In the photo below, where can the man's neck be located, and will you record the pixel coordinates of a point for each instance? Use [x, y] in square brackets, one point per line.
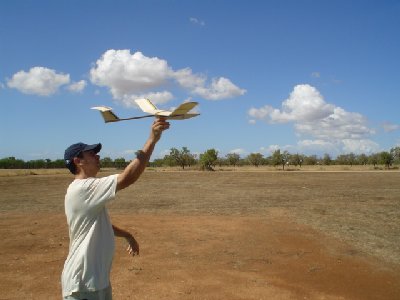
[83, 175]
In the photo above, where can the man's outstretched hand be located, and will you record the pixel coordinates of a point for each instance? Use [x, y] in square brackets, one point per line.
[159, 125]
[133, 246]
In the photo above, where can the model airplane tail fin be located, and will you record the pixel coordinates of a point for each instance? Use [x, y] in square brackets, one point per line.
[107, 114]
[147, 106]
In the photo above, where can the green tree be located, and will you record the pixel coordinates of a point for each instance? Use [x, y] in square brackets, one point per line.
[106, 162]
[208, 159]
[327, 160]
[373, 159]
[286, 156]
[192, 159]
[351, 158]
[158, 162]
[296, 160]
[362, 159]
[169, 161]
[395, 152]
[37, 164]
[342, 159]
[182, 157]
[120, 163]
[221, 162]
[12, 163]
[59, 163]
[255, 159]
[311, 160]
[279, 158]
[386, 159]
[276, 158]
[233, 159]
[267, 161]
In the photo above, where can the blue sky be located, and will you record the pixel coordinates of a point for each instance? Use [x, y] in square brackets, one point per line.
[311, 77]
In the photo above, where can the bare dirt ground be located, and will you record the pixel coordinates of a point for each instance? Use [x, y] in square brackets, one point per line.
[218, 235]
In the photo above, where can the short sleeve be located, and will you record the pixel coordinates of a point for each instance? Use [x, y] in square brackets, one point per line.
[101, 190]
[91, 194]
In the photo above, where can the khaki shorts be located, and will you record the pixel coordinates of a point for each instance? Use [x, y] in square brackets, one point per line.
[105, 294]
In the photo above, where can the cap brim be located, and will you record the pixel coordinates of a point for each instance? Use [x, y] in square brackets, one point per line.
[95, 147]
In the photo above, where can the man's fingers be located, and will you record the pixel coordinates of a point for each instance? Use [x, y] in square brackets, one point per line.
[132, 251]
[160, 124]
[133, 248]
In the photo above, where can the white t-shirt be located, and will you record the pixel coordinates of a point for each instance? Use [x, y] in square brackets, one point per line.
[91, 248]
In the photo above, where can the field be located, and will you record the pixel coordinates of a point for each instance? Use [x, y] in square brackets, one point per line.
[217, 235]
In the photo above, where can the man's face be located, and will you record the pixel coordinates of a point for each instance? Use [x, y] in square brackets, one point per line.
[90, 162]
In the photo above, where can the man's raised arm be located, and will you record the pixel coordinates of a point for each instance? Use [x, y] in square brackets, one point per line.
[136, 167]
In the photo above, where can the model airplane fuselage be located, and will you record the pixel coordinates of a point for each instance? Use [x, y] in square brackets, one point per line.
[180, 113]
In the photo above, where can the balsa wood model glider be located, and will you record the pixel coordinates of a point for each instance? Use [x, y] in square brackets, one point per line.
[180, 113]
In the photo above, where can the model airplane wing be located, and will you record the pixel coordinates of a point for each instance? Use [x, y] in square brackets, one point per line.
[180, 113]
[183, 108]
[147, 106]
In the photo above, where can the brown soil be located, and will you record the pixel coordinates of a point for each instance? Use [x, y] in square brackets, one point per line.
[220, 235]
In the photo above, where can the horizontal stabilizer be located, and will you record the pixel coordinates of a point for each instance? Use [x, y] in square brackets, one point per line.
[107, 113]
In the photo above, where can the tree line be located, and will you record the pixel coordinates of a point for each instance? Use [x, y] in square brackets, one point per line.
[209, 159]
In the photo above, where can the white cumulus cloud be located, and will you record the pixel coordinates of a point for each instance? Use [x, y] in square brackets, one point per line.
[338, 125]
[360, 146]
[128, 75]
[315, 75]
[389, 127]
[321, 146]
[38, 81]
[77, 87]
[156, 98]
[220, 88]
[197, 21]
[305, 104]
[270, 149]
[239, 151]
[188, 80]
[322, 125]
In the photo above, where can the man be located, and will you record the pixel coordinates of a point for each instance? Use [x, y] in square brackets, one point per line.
[86, 273]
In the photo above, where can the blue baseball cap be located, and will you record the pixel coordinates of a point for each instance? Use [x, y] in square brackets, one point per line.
[75, 150]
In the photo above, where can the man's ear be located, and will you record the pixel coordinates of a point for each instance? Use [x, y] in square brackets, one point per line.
[77, 161]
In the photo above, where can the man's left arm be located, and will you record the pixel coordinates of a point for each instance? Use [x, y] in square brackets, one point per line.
[133, 245]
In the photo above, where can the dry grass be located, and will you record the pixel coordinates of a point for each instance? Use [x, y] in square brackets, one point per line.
[27, 172]
[234, 234]
[359, 207]
[316, 168]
